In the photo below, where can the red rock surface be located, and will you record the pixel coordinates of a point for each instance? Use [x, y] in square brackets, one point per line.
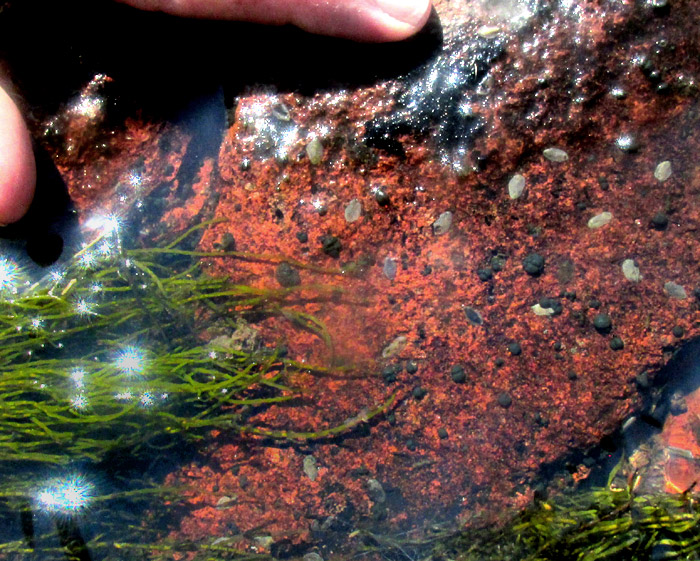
[553, 86]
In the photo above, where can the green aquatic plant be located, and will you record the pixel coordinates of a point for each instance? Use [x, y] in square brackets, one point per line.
[106, 357]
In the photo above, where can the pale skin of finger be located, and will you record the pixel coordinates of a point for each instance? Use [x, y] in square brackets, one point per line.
[17, 168]
[360, 20]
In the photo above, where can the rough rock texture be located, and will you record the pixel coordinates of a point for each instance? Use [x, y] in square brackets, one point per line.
[611, 84]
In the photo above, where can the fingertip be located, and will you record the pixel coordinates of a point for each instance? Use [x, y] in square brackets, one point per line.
[17, 167]
[398, 19]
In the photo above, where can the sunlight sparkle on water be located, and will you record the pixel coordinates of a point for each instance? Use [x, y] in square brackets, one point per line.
[69, 495]
[130, 360]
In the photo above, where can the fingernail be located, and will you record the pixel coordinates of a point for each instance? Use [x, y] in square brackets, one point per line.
[411, 12]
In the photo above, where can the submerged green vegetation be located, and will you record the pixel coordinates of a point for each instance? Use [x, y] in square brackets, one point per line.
[103, 358]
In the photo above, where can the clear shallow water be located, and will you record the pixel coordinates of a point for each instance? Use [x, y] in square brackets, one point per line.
[242, 151]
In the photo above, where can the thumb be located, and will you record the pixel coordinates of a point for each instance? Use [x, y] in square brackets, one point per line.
[361, 20]
[17, 169]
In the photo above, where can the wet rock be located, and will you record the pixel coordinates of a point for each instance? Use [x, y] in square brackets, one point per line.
[555, 155]
[515, 349]
[419, 392]
[627, 143]
[443, 223]
[600, 220]
[631, 271]
[675, 291]
[287, 275]
[616, 344]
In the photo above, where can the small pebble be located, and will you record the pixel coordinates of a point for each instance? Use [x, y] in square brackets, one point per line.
[631, 271]
[555, 154]
[663, 171]
[600, 220]
[310, 468]
[595, 304]
[459, 376]
[443, 223]
[674, 290]
[642, 380]
[412, 367]
[534, 264]
[616, 344]
[303, 237]
[515, 349]
[602, 323]
[395, 347]
[540, 311]
[504, 400]
[390, 268]
[659, 221]
[571, 375]
[353, 210]
[499, 362]
[312, 556]
[678, 331]
[375, 490]
[287, 275]
[314, 151]
[516, 186]
[473, 316]
[442, 433]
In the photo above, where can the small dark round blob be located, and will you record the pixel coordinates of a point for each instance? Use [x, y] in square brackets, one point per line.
[557, 346]
[499, 362]
[498, 262]
[245, 164]
[390, 372]
[678, 331]
[287, 275]
[571, 375]
[411, 444]
[616, 344]
[411, 367]
[659, 221]
[602, 323]
[504, 400]
[534, 264]
[419, 392]
[226, 243]
[331, 246]
[303, 237]
[570, 295]
[381, 197]
[553, 304]
[595, 304]
[459, 376]
[442, 433]
[514, 348]
[426, 270]
[696, 293]
[46, 249]
[485, 274]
